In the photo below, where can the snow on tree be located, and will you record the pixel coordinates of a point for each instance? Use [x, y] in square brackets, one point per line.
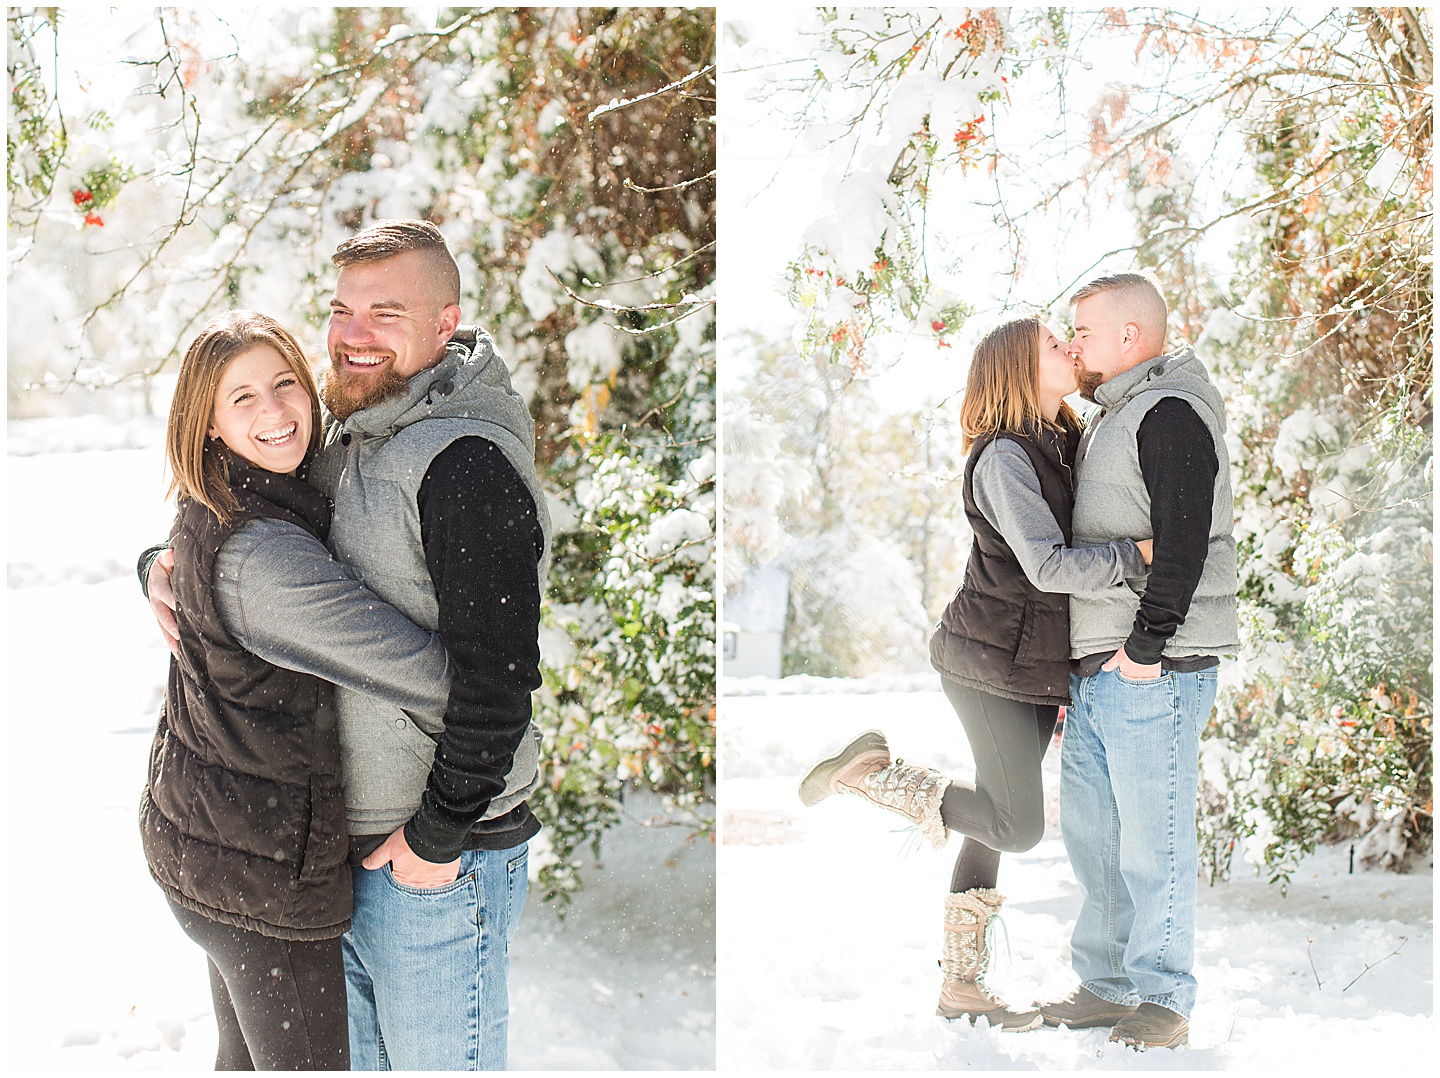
[895, 95]
[861, 509]
[167, 164]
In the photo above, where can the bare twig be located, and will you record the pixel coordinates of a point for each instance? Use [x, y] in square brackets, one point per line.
[659, 272]
[1308, 944]
[660, 325]
[700, 824]
[1371, 965]
[669, 187]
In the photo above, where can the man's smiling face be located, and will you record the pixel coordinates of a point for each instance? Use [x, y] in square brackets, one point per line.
[388, 322]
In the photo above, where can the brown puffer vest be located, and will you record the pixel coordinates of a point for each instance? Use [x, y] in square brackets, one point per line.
[1000, 633]
[243, 818]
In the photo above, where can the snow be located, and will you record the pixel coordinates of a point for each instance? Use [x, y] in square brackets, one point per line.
[831, 924]
[1222, 326]
[850, 235]
[594, 353]
[674, 528]
[1387, 168]
[1303, 436]
[563, 252]
[102, 977]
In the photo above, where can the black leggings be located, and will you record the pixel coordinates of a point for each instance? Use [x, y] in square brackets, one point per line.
[280, 1004]
[1005, 810]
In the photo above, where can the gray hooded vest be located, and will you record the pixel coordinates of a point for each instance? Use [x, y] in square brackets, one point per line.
[1111, 502]
[372, 465]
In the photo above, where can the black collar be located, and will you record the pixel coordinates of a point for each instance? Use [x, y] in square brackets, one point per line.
[284, 491]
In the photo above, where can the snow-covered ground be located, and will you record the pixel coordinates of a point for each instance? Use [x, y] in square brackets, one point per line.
[99, 975]
[831, 923]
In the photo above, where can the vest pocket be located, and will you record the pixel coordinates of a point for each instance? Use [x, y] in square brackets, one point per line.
[982, 635]
[1046, 638]
[421, 745]
[1027, 631]
[326, 838]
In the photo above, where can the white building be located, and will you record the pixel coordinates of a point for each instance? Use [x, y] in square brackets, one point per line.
[753, 632]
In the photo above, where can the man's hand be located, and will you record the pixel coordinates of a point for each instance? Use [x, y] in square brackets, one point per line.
[162, 599]
[1147, 550]
[408, 868]
[1128, 667]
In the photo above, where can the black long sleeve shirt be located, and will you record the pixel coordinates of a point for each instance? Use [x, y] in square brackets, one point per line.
[482, 541]
[1179, 464]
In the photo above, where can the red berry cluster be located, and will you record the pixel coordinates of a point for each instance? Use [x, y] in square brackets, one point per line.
[86, 198]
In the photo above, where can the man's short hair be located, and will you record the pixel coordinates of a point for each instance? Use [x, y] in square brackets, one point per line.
[1139, 295]
[386, 239]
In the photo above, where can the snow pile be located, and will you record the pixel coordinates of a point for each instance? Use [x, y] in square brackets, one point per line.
[832, 927]
[808, 685]
[106, 980]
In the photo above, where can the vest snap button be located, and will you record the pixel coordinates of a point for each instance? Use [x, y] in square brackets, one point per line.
[345, 438]
[399, 724]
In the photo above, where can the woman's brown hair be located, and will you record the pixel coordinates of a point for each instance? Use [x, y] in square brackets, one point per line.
[200, 465]
[1002, 390]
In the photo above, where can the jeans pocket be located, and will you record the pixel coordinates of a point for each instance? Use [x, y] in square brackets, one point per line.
[517, 880]
[465, 879]
[1166, 676]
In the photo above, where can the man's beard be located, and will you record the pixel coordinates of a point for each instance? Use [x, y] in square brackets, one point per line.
[346, 393]
[1088, 382]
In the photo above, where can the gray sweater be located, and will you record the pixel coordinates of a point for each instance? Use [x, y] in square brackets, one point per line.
[282, 595]
[1007, 493]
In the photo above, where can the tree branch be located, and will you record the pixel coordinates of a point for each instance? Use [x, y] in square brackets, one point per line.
[618, 104]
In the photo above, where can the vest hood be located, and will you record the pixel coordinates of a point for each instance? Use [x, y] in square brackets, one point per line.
[471, 381]
[1180, 371]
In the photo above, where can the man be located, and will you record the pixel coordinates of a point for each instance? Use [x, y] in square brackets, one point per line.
[429, 460]
[1143, 670]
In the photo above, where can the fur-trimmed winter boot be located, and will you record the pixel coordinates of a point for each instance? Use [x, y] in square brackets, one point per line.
[863, 768]
[970, 919]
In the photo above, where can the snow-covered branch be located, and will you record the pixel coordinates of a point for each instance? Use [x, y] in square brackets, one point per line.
[616, 104]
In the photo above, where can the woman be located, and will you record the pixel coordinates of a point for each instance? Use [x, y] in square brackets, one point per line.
[1002, 646]
[242, 818]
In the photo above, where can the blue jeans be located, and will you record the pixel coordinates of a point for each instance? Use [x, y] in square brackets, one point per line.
[1128, 775]
[426, 971]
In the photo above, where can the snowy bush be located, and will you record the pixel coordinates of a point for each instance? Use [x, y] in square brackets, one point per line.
[1327, 732]
[632, 699]
[1322, 343]
[855, 607]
